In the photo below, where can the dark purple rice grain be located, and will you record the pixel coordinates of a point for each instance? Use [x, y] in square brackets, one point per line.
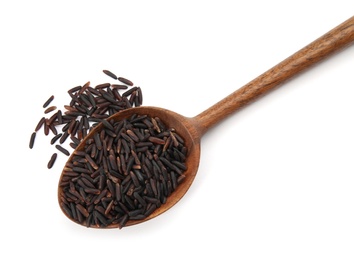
[66, 209]
[74, 89]
[107, 125]
[125, 81]
[62, 149]
[32, 139]
[52, 119]
[50, 109]
[88, 181]
[109, 207]
[59, 117]
[72, 126]
[118, 86]
[103, 85]
[64, 137]
[108, 97]
[85, 101]
[140, 96]
[97, 141]
[75, 140]
[50, 99]
[46, 127]
[128, 104]
[82, 210]
[91, 98]
[83, 89]
[110, 74]
[55, 138]
[91, 161]
[67, 125]
[52, 161]
[70, 108]
[73, 209]
[180, 165]
[133, 98]
[150, 210]
[40, 123]
[181, 178]
[92, 191]
[81, 170]
[74, 114]
[156, 140]
[53, 129]
[129, 92]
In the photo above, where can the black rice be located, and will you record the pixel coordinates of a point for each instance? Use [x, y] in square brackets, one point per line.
[103, 85]
[108, 73]
[62, 149]
[33, 137]
[55, 138]
[52, 161]
[87, 107]
[127, 182]
[40, 123]
[118, 86]
[50, 109]
[48, 101]
[125, 81]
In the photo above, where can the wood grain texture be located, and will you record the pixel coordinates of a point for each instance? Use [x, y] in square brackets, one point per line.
[331, 42]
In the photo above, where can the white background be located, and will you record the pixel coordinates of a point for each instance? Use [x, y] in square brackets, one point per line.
[276, 180]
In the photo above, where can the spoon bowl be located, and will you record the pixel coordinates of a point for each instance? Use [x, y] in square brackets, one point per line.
[191, 129]
[187, 128]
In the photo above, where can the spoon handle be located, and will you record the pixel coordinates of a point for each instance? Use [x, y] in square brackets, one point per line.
[334, 40]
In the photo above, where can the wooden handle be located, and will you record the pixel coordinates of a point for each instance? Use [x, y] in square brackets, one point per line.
[336, 39]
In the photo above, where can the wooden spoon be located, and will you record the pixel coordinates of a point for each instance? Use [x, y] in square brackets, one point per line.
[192, 129]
